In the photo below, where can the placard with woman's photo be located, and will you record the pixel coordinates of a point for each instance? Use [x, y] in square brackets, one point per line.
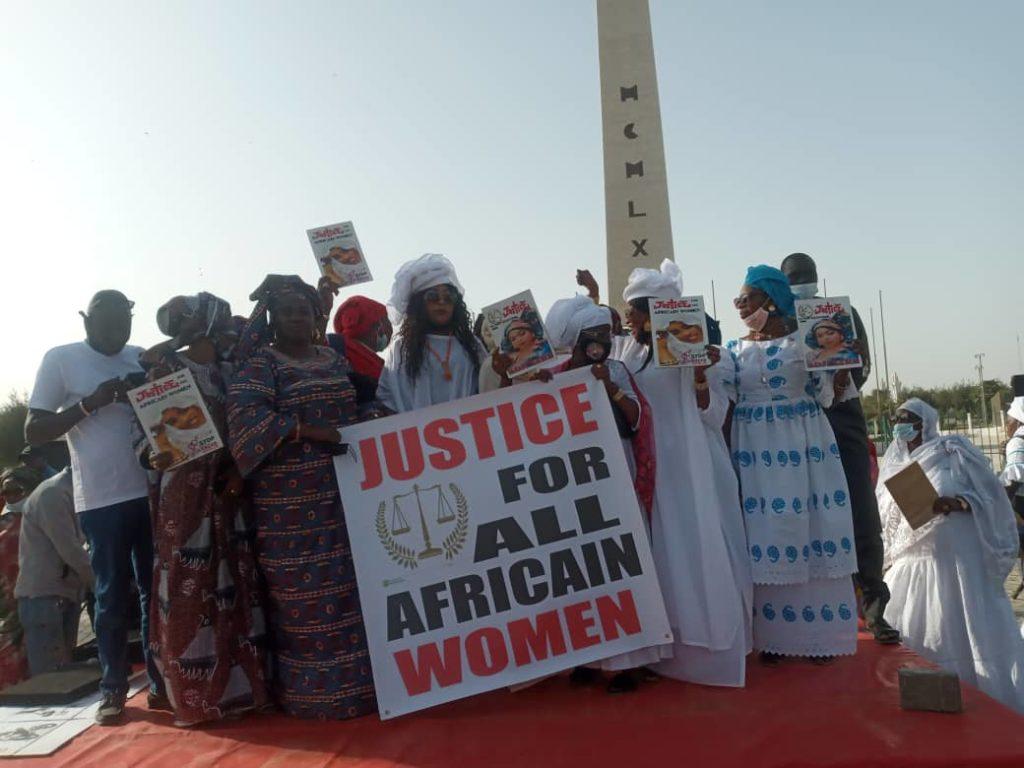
[827, 333]
[680, 331]
[518, 331]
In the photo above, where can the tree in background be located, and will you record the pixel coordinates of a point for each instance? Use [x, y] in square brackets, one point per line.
[953, 402]
[12, 428]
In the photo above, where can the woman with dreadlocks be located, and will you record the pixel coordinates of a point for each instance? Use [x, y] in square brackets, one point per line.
[285, 409]
[435, 357]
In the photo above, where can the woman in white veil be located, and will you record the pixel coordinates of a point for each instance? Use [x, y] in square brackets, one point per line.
[947, 577]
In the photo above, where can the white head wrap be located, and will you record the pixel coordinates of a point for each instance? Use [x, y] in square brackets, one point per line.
[1016, 409]
[970, 472]
[567, 317]
[666, 283]
[428, 271]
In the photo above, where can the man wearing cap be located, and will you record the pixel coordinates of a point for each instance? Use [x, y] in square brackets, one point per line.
[80, 392]
[846, 417]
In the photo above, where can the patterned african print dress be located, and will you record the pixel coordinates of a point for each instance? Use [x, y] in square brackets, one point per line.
[795, 503]
[322, 664]
[207, 631]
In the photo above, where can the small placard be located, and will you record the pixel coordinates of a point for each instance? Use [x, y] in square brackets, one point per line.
[914, 495]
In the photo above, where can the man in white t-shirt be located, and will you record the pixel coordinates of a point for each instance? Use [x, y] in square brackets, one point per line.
[80, 392]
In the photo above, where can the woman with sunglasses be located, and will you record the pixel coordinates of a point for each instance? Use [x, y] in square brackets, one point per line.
[435, 357]
[946, 577]
[794, 492]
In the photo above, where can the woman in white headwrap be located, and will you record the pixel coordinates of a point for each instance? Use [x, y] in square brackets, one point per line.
[946, 578]
[1013, 471]
[584, 329]
[695, 505]
[435, 357]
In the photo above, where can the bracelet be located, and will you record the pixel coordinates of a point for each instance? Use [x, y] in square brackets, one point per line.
[619, 394]
[964, 506]
[85, 411]
[701, 386]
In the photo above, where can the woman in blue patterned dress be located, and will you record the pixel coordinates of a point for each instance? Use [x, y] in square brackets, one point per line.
[795, 498]
[285, 409]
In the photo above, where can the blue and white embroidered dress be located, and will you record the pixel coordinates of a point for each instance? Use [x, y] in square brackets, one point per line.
[795, 503]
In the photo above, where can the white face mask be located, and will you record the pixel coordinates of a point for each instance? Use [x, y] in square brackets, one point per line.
[804, 290]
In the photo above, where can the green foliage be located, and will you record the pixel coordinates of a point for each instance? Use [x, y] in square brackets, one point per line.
[953, 402]
[12, 428]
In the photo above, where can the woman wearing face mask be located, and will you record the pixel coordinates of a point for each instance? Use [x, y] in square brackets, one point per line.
[285, 409]
[946, 578]
[585, 329]
[691, 519]
[794, 493]
[206, 623]
[435, 357]
[362, 330]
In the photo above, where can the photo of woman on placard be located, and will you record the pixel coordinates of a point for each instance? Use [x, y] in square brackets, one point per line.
[524, 341]
[833, 342]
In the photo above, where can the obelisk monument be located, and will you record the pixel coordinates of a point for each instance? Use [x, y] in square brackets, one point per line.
[639, 231]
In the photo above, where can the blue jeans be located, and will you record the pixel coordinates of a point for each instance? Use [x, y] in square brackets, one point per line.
[120, 540]
[51, 631]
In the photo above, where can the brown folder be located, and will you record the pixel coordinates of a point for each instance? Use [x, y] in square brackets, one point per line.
[914, 494]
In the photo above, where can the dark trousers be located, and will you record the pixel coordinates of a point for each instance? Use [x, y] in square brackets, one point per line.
[120, 542]
[847, 420]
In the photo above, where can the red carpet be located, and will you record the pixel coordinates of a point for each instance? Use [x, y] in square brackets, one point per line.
[796, 714]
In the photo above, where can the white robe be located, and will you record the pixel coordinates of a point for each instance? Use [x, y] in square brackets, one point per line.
[947, 577]
[689, 533]
[400, 393]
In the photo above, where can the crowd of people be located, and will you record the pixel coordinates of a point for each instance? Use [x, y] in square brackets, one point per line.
[767, 531]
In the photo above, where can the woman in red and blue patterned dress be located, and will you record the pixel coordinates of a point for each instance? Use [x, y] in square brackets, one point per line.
[286, 406]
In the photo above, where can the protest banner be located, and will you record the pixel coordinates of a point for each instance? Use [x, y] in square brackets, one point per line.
[338, 254]
[680, 328]
[827, 333]
[174, 417]
[518, 331]
[496, 539]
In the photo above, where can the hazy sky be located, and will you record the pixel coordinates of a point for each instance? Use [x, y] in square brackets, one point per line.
[167, 148]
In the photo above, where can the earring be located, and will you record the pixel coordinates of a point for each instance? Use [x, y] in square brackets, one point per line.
[771, 307]
[647, 326]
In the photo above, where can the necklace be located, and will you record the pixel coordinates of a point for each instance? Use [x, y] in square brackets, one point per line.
[445, 367]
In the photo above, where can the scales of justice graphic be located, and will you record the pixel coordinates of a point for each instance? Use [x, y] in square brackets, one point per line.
[439, 506]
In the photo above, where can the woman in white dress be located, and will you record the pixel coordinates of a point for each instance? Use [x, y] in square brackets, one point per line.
[435, 357]
[690, 512]
[946, 578]
[794, 494]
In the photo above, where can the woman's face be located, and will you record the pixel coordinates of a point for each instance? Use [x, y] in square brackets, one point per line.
[440, 304]
[828, 337]
[184, 418]
[521, 337]
[637, 320]
[381, 333]
[749, 300]
[293, 318]
[688, 334]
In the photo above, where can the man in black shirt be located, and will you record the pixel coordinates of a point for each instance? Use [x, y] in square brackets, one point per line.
[847, 419]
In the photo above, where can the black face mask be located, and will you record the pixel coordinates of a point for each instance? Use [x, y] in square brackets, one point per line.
[595, 351]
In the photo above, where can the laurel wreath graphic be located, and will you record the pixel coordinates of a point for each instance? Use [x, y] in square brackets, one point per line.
[402, 555]
[456, 540]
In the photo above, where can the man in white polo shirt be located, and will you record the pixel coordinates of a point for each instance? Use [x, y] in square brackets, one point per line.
[80, 392]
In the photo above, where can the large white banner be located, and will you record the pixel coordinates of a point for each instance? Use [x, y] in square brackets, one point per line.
[496, 539]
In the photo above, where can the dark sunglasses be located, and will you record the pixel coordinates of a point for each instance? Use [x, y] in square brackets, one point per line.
[439, 296]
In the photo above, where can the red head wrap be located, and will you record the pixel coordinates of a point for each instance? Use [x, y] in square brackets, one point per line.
[354, 319]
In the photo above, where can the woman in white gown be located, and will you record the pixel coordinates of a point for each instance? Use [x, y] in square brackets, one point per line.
[690, 515]
[794, 494]
[946, 578]
[435, 357]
